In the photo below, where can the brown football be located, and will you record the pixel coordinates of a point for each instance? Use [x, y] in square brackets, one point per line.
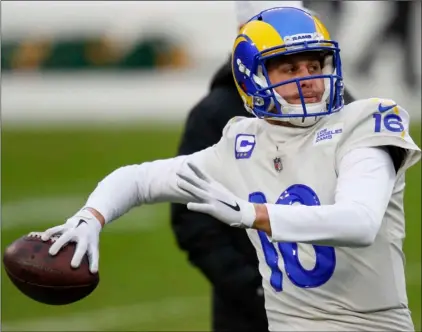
[45, 278]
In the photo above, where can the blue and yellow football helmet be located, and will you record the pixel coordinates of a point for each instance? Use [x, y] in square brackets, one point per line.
[283, 31]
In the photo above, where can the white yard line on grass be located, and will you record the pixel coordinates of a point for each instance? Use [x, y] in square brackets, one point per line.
[44, 210]
[116, 317]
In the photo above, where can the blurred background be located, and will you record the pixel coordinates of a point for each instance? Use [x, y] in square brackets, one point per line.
[90, 86]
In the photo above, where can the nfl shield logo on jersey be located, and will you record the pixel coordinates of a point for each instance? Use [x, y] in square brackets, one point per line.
[277, 164]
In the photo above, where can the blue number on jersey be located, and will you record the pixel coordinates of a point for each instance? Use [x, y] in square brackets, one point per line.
[392, 122]
[298, 275]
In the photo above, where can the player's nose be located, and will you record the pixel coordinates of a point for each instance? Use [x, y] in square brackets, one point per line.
[303, 72]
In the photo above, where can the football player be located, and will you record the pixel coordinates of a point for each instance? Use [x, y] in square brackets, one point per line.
[317, 185]
[224, 254]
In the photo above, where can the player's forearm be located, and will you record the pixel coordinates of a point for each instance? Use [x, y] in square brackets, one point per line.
[333, 225]
[317, 225]
[134, 185]
[366, 181]
[115, 195]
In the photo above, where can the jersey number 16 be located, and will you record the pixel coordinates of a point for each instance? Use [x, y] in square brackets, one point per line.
[325, 256]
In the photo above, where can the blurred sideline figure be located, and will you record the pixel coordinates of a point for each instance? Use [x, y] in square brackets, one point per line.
[223, 254]
[398, 28]
[393, 26]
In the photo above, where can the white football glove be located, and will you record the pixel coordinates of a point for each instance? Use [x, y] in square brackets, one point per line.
[84, 229]
[215, 200]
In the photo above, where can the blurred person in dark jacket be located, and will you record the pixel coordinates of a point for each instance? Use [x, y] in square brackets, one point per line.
[223, 254]
[399, 28]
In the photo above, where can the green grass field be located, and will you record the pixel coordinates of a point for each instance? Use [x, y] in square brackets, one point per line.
[146, 281]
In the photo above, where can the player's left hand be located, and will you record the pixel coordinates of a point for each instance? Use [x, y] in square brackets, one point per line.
[214, 199]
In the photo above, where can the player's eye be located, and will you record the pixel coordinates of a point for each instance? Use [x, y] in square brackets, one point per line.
[314, 68]
[287, 69]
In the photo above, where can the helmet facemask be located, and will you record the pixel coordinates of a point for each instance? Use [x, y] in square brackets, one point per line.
[269, 104]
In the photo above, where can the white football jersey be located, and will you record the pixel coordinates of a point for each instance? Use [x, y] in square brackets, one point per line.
[318, 287]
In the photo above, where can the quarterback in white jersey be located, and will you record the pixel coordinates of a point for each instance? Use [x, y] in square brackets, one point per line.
[317, 185]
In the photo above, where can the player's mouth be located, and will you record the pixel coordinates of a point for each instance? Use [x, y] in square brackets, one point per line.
[310, 97]
[311, 100]
[308, 100]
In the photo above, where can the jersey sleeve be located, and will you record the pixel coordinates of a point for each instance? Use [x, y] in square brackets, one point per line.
[212, 159]
[374, 123]
[157, 180]
[228, 128]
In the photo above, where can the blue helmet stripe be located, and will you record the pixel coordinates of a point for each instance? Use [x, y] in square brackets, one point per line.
[293, 22]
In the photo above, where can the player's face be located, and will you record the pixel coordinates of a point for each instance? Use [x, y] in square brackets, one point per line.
[296, 66]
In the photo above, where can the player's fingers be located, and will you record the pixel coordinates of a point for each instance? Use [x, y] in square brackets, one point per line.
[60, 242]
[93, 257]
[184, 184]
[46, 235]
[80, 251]
[192, 197]
[199, 207]
[194, 180]
[198, 172]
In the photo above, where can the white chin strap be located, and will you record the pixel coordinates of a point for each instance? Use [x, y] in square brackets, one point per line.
[311, 108]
